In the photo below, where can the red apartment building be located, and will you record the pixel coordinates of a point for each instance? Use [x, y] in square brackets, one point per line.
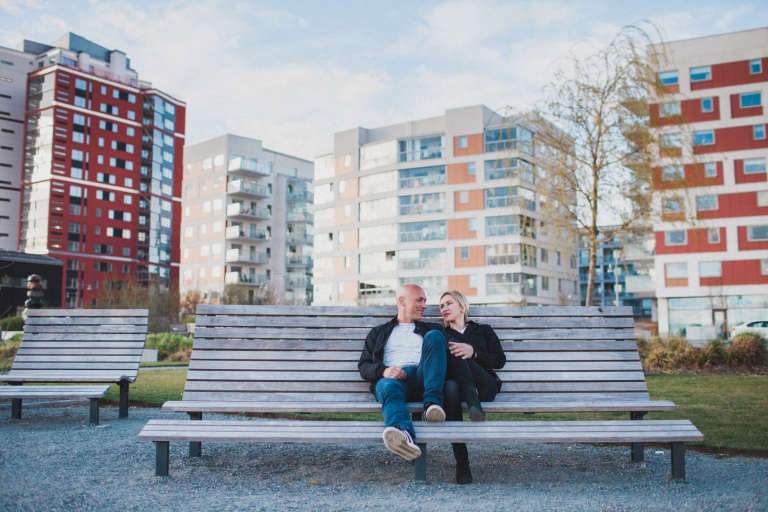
[711, 186]
[102, 170]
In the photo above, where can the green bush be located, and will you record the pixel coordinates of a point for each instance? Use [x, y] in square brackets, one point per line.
[12, 323]
[172, 347]
[713, 354]
[746, 349]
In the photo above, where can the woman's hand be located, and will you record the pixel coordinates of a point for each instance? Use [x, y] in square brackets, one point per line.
[393, 372]
[462, 350]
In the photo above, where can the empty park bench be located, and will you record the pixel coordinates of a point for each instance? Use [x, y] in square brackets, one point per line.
[77, 346]
[303, 359]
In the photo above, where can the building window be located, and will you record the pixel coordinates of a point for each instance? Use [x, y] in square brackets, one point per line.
[573, 261]
[755, 67]
[669, 109]
[544, 283]
[701, 74]
[677, 270]
[757, 233]
[463, 142]
[473, 224]
[764, 267]
[421, 149]
[673, 205]
[754, 165]
[421, 177]
[675, 237]
[762, 198]
[672, 173]
[750, 99]
[671, 141]
[710, 170]
[704, 138]
[347, 262]
[422, 231]
[347, 210]
[464, 253]
[758, 131]
[471, 169]
[710, 269]
[511, 137]
[668, 77]
[473, 280]
[464, 197]
[713, 236]
[706, 105]
[706, 203]
[544, 256]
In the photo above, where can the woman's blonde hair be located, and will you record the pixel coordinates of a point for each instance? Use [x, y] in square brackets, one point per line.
[461, 299]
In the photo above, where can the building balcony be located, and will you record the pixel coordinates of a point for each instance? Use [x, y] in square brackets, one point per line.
[248, 167]
[240, 188]
[238, 234]
[301, 195]
[296, 239]
[241, 211]
[239, 256]
[245, 279]
[298, 282]
[298, 261]
[300, 217]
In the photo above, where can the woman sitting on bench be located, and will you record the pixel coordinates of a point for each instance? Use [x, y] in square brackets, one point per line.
[470, 378]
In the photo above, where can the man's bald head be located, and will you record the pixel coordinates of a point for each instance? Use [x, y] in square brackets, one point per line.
[411, 303]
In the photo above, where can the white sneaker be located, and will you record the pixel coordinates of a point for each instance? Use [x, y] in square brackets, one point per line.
[400, 443]
[434, 414]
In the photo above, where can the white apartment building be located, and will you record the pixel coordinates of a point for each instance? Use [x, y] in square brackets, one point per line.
[246, 221]
[447, 202]
[711, 185]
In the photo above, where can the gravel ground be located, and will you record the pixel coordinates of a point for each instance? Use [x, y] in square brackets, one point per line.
[52, 460]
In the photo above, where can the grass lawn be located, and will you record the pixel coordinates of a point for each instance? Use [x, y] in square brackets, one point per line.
[730, 410]
[163, 363]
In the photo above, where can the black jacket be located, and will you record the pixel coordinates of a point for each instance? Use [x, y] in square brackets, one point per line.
[482, 337]
[371, 363]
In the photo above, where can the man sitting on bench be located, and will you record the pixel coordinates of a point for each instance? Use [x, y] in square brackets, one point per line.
[405, 361]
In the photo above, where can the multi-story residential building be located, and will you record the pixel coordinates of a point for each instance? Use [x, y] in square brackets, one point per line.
[710, 184]
[625, 269]
[14, 66]
[101, 181]
[246, 228]
[445, 202]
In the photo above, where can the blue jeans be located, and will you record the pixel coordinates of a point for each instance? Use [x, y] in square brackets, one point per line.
[422, 383]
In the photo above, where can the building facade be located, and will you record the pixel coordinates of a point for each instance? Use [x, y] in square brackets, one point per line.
[710, 186]
[447, 202]
[14, 66]
[246, 228]
[101, 180]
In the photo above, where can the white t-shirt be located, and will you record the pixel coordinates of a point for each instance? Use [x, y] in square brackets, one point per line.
[403, 347]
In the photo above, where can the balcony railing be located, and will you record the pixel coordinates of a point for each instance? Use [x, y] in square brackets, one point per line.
[241, 210]
[238, 256]
[253, 235]
[301, 195]
[239, 187]
[299, 217]
[298, 261]
[246, 279]
[295, 239]
[248, 167]
[298, 282]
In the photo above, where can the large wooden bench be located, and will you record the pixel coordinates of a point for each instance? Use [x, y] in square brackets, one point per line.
[77, 346]
[282, 359]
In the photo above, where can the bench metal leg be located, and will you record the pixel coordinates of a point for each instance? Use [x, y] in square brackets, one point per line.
[16, 408]
[420, 464]
[163, 450]
[678, 461]
[637, 449]
[195, 447]
[94, 411]
[123, 399]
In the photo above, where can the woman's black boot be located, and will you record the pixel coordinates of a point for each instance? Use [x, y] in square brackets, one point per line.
[476, 412]
[463, 473]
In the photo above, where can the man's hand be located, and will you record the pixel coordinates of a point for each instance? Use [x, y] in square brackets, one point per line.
[462, 350]
[393, 372]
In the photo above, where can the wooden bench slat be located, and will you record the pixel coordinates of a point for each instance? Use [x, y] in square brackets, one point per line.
[25, 392]
[84, 344]
[370, 322]
[27, 351]
[83, 359]
[85, 329]
[89, 321]
[285, 396]
[542, 387]
[86, 312]
[69, 375]
[391, 311]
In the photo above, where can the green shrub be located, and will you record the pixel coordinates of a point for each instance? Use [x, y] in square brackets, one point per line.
[8, 353]
[168, 344]
[670, 353]
[12, 323]
[713, 354]
[746, 349]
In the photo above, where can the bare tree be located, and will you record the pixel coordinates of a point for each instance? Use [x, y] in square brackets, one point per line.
[595, 142]
[161, 300]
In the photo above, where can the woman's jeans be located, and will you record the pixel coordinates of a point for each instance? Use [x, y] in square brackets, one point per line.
[423, 383]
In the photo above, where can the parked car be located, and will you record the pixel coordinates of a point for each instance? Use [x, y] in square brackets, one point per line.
[760, 326]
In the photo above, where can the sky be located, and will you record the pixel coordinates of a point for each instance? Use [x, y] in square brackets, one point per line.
[292, 73]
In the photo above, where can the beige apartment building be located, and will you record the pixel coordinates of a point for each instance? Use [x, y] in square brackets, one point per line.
[448, 202]
[246, 222]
